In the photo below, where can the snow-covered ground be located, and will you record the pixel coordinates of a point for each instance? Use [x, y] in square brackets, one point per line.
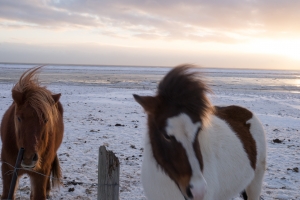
[96, 99]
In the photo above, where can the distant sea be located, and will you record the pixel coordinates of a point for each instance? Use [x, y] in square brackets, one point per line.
[149, 77]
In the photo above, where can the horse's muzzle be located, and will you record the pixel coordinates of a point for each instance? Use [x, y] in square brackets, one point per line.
[196, 193]
[192, 193]
[30, 162]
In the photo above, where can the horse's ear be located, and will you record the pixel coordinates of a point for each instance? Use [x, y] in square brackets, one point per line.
[56, 97]
[149, 103]
[17, 97]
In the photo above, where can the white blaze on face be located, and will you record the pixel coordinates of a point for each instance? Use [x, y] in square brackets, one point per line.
[185, 132]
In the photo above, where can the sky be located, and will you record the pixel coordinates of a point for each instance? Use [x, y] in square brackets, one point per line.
[259, 34]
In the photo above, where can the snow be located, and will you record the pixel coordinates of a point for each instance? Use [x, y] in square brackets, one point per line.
[95, 99]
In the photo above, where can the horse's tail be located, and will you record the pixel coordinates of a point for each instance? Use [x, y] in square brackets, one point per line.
[56, 173]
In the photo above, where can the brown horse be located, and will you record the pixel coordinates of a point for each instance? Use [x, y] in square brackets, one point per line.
[34, 122]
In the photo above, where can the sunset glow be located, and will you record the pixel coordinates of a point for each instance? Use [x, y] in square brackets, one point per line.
[238, 34]
[298, 82]
[283, 47]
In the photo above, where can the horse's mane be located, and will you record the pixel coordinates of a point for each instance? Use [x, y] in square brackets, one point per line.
[39, 98]
[183, 88]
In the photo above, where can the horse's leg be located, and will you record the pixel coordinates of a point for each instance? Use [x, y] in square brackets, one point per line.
[48, 188]
[31, 192]
[254, 188]
[39, 184]
[7, 174]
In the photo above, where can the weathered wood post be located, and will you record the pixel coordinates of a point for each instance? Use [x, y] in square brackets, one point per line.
[108, 175]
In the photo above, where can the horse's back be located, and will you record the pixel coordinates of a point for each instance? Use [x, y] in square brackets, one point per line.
[248, 128]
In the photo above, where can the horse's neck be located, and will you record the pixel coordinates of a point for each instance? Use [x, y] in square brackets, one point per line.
[157, 185]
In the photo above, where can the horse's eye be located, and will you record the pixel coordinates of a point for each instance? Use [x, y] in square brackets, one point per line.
[46, 120]
[19, 119]
[166, 136]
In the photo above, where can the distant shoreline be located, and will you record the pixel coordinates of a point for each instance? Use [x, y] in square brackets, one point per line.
[136, 66]
[82, 65]
[149, 77]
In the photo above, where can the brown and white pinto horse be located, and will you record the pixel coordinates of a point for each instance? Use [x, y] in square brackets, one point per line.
[34, 121]
[196, 151]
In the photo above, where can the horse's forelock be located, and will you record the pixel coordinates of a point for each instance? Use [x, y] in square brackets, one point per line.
[27, 80]
[42, 102]
[39, 98]
[182, 89]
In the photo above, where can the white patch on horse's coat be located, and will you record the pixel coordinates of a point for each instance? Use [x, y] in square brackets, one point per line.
[182, 127]
[185, 131]
[227, 169]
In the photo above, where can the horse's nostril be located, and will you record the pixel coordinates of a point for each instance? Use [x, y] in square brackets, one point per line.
[189, 192]
[35, 157]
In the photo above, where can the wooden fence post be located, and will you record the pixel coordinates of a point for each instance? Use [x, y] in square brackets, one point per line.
[108, 175]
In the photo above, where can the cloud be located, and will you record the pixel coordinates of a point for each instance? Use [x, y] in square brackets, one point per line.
[41, 14]
[203, 21]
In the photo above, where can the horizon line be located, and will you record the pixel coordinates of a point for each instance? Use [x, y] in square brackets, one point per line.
[162, 66]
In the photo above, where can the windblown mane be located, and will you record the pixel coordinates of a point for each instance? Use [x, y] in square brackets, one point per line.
[183, 88]
[39, 98]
